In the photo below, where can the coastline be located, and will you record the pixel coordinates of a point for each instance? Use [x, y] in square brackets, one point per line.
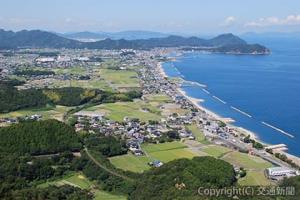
[197, 103]
[226, 120]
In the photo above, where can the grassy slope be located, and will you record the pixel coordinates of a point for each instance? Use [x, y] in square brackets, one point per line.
[150, 148]
[164, 152]
[198, 134]
[47, 112]
[255, 167]
[246, 161]
[130, 162]
[254, 178]
[101, 195]
[216, 150]
[78, 180]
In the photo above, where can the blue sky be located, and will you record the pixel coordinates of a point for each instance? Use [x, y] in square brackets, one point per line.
[185, 16]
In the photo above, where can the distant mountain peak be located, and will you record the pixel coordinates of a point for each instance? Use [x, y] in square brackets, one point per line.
[227, 39]
[42, 39]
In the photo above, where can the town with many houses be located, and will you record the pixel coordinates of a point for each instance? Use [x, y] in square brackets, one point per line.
[152, 80]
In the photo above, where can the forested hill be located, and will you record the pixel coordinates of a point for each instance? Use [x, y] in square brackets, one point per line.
[38, 137]
[226, 43]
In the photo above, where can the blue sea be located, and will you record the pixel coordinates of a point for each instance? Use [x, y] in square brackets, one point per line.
[267, 88]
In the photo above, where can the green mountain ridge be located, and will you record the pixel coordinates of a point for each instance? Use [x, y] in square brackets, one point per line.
[225, 43]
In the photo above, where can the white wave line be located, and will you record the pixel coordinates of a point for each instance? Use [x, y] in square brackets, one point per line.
[217, 98]
[277, 129]
[195, 83]
[206, 91]
[178, 72]
[240, 111]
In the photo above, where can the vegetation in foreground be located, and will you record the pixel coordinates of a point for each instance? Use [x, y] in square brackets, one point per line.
[38, 137]
[12, 99]
[163, 152]
[22, 171]
[181, 178]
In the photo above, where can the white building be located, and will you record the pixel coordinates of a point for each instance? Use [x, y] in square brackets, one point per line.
[45, 59]
[280, 172]
[83, 59]
[63, 59]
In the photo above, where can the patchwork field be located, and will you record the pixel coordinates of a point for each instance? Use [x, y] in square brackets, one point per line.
[159, 98]
[164, 152]
[150, 148]
[247, 161]
[48, 112]
[216, 150]
[169, 155]
[72, 70]
[170, 108]
[92, 84]
[137, 109]
[105, 77]
[78, 180]
[120, 78]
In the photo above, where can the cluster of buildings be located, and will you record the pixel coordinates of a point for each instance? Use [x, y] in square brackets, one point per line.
[11, 120]
[154, 81]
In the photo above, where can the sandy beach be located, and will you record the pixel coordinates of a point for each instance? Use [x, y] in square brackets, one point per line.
[197, 103]
[161, 70]
[228, 121]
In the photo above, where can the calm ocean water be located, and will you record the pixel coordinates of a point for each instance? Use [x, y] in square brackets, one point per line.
[267, 88]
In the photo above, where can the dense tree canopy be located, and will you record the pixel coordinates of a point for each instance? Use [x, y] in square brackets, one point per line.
[70, 96]
[11, 82]
[19, 172]
[180, 179]
[30, 72]
[39, 137]
[107, 146]
[13, 99]
[65, 192]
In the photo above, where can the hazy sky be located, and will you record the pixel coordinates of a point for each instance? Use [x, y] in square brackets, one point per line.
[186, 16]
